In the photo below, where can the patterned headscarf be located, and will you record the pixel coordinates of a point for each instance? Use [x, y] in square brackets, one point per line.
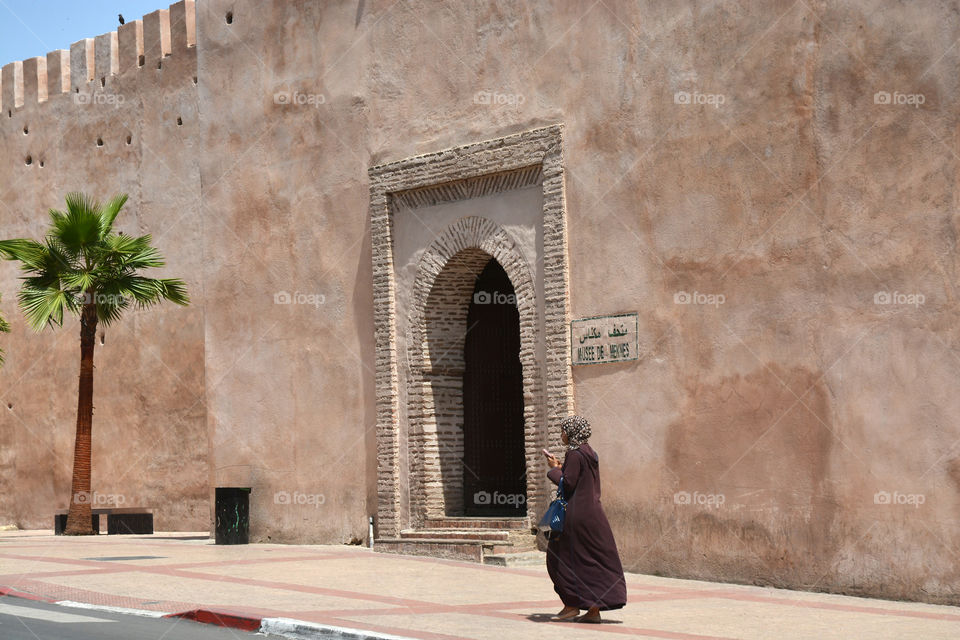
[577, 429]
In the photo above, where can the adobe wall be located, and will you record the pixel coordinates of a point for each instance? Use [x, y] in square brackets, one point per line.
[797, 198]
[101, 120]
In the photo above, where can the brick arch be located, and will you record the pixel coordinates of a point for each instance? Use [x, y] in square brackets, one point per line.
[442, 292]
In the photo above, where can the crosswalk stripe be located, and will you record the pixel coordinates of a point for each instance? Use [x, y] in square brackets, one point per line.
[48, 616]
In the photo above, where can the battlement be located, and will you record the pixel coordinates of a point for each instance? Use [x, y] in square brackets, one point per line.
[92, 61]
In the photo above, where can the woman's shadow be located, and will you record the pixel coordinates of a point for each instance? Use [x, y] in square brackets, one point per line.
[548, 617]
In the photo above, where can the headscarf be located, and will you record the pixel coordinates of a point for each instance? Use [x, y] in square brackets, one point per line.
[577, 429]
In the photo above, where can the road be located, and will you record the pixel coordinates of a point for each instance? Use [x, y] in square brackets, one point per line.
[28, 620]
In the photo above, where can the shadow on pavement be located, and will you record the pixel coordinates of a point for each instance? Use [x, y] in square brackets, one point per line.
[548, 617]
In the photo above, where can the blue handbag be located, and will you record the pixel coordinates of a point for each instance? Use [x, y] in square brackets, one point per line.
[556, 512]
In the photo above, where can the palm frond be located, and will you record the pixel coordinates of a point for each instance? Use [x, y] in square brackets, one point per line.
[146, 257]
[62, 255]
[30, 253]
[110, 307]
[79, 227]
[128, 253]
[175, 290]
[45, 306]
[80, 280]
[109, 213]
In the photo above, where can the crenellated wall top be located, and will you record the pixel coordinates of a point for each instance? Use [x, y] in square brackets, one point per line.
[91, 62]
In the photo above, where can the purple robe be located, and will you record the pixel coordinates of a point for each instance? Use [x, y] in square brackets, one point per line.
[583, 561]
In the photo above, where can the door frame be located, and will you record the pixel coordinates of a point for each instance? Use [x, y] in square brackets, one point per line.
[518, 161]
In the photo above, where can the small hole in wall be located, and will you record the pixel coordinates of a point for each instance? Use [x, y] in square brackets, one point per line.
[103, 82]
[179, 122]
[160, 65]
[41, 164]
[9, 114]
[229, 17]
[141, 60]
[194, 79]
[101, 338]
[9, 405]
[99, 142]
[76, 89]
[129, 139]
[28, 160]
[26, 129]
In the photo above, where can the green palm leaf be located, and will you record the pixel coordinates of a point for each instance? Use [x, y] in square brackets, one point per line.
[31, 254]
[109, 213]
[45, 305]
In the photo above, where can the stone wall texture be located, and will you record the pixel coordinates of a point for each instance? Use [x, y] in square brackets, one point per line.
[772, 186]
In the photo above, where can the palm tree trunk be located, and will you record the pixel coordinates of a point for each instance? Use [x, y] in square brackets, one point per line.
[79, 516]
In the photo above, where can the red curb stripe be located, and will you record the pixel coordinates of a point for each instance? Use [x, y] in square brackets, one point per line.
[13, 593]
[206, 616]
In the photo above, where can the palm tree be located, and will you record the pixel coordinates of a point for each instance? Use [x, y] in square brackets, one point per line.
[84, 268]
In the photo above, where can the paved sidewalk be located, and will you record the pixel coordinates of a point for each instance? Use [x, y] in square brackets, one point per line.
[426, 598]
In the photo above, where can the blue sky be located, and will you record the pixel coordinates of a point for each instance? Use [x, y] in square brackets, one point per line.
[31, 28]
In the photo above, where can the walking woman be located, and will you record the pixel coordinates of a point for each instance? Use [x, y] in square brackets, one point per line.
[583, 561]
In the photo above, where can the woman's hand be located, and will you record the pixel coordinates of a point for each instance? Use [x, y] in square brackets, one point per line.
[553, 462]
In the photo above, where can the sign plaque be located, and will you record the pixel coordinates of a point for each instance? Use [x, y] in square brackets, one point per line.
[604, 339]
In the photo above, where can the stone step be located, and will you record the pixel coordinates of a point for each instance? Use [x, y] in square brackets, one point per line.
[476, 523]
[457, 534]
[468, 550]
[519, 559]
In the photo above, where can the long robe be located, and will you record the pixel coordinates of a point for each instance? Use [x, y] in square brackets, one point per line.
[583, 561]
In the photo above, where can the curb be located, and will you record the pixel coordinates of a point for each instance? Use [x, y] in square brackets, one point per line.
[299, 630]
[285, 627]
[208, 616]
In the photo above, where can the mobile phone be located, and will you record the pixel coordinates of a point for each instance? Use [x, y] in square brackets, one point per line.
[547, 453]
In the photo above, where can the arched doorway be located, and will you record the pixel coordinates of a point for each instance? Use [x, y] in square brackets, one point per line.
[494, 465]
[417, 435]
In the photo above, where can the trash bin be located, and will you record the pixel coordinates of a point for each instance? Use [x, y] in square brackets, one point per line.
[233, 515]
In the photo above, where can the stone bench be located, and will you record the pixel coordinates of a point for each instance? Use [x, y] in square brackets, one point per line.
[120, 520]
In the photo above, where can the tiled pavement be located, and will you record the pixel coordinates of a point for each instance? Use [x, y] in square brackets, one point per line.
[426, 598]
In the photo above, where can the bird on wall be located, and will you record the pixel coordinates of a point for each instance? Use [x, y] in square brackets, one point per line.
[120, 15]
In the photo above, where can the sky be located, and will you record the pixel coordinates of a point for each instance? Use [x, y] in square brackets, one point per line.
[30, 28]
